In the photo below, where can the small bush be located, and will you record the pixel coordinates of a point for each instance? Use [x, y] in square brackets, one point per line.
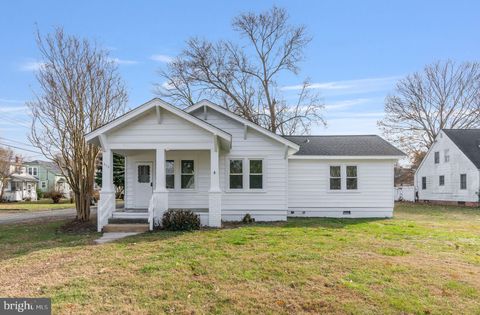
[39, 193]
[180, 220]
[248, 219]
[55, 196]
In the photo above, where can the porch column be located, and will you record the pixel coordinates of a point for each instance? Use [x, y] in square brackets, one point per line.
[215, 193]
[106, 204]
[159, 202]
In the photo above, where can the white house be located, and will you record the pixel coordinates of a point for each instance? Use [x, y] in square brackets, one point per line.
[20, 185]
[222, 166]
[449, 173]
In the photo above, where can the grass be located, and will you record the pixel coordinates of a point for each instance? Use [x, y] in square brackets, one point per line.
[40, 205]
[424, 261]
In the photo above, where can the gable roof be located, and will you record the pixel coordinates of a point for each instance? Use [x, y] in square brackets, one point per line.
[243, 121]
[52, 167]
[355, 145]
[156, 102]
[468, 141]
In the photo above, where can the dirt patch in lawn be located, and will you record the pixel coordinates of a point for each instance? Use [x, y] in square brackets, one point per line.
[77, 227]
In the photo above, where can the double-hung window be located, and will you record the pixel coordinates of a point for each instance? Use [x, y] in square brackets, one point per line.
[236, 174]
[352, 180]
[424, 183]
[437, 157]
[170, 174]
[256, 174]
[446, 155]
[463, 181]
[441, 180]
[187, 179]
[335, 178]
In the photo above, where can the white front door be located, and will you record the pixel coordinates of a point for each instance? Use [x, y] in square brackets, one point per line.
[143, 184]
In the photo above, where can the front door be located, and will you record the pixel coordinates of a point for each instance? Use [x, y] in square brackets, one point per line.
[143, 184]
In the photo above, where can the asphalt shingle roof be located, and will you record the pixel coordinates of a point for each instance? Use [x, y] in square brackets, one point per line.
[357, 145]
[467, 140]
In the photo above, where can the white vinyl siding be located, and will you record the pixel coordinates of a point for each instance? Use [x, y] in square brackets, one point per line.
[457, 164]
[309, 191]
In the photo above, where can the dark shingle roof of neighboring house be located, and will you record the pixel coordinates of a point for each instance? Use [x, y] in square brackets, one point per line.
[52, 167]
[361, 145]
[468, 141]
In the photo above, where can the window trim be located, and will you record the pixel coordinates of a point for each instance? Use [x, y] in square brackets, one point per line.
[436, 154]
[255, 174]
[236, 174]
[195, 184]
[461, 182]
[424, 183]
[246, 174]
[446, 155]
[174, 176]
[441, 180]
[343, 178]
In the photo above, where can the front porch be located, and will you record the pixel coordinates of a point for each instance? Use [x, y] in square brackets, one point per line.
[160, 179]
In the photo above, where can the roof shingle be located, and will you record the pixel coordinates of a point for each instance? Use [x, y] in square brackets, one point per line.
[355, 145]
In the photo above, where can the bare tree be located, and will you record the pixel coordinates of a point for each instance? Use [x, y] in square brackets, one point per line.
[6, 160]
[444, 95]
[80, 90]
[243, 77]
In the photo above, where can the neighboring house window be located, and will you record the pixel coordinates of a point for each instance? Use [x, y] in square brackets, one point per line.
[30, 171]
[170, 174]
[44, 184]
[188, 174]
[256, 174]
[463, 181]
[447, 155]
[35, 171]
[144, 173]
[441, 180]
[29, 188]
[437, 157]
[236, 174]
[352, 180]
[424, 183]
[335, 178]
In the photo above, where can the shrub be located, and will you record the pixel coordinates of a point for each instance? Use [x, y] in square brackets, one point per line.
[248, 218]
[180, 220]
[39, 193]
[55, 196]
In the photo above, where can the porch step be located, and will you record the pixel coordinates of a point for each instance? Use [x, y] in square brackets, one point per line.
[130, 215]
[116, 220]
[126, 227]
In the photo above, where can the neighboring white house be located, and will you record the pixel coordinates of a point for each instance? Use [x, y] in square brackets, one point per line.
[222, 166]
[449, 173]
[20, 186]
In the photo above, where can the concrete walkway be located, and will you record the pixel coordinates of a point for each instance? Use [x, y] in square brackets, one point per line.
[113, 236]
[18, 217]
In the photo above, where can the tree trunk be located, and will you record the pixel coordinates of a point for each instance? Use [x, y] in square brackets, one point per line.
[82, 204]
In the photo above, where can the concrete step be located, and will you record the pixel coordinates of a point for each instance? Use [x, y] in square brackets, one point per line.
[126, 227]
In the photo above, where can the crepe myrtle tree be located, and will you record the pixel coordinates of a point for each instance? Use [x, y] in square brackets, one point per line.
[445, 94]
[80, 90]
[242, 75]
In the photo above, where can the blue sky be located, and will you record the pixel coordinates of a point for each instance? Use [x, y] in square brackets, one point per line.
[359, 48]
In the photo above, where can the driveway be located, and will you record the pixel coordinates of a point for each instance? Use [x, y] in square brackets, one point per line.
[18, 217]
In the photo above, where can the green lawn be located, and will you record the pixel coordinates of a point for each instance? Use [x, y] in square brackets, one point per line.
[424, 261]
[40, 205]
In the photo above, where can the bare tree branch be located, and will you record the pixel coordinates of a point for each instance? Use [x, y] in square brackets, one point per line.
[80, 90]
[444, 95]
[243, 77]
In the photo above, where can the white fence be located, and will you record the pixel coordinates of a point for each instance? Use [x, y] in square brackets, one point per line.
[405, 193]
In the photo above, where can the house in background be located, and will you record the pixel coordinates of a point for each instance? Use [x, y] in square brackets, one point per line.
[49, 176]
[450, 171]
[222, 166]
[20, 186]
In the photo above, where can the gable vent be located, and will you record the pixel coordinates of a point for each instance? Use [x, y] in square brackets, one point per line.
[307, 140]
